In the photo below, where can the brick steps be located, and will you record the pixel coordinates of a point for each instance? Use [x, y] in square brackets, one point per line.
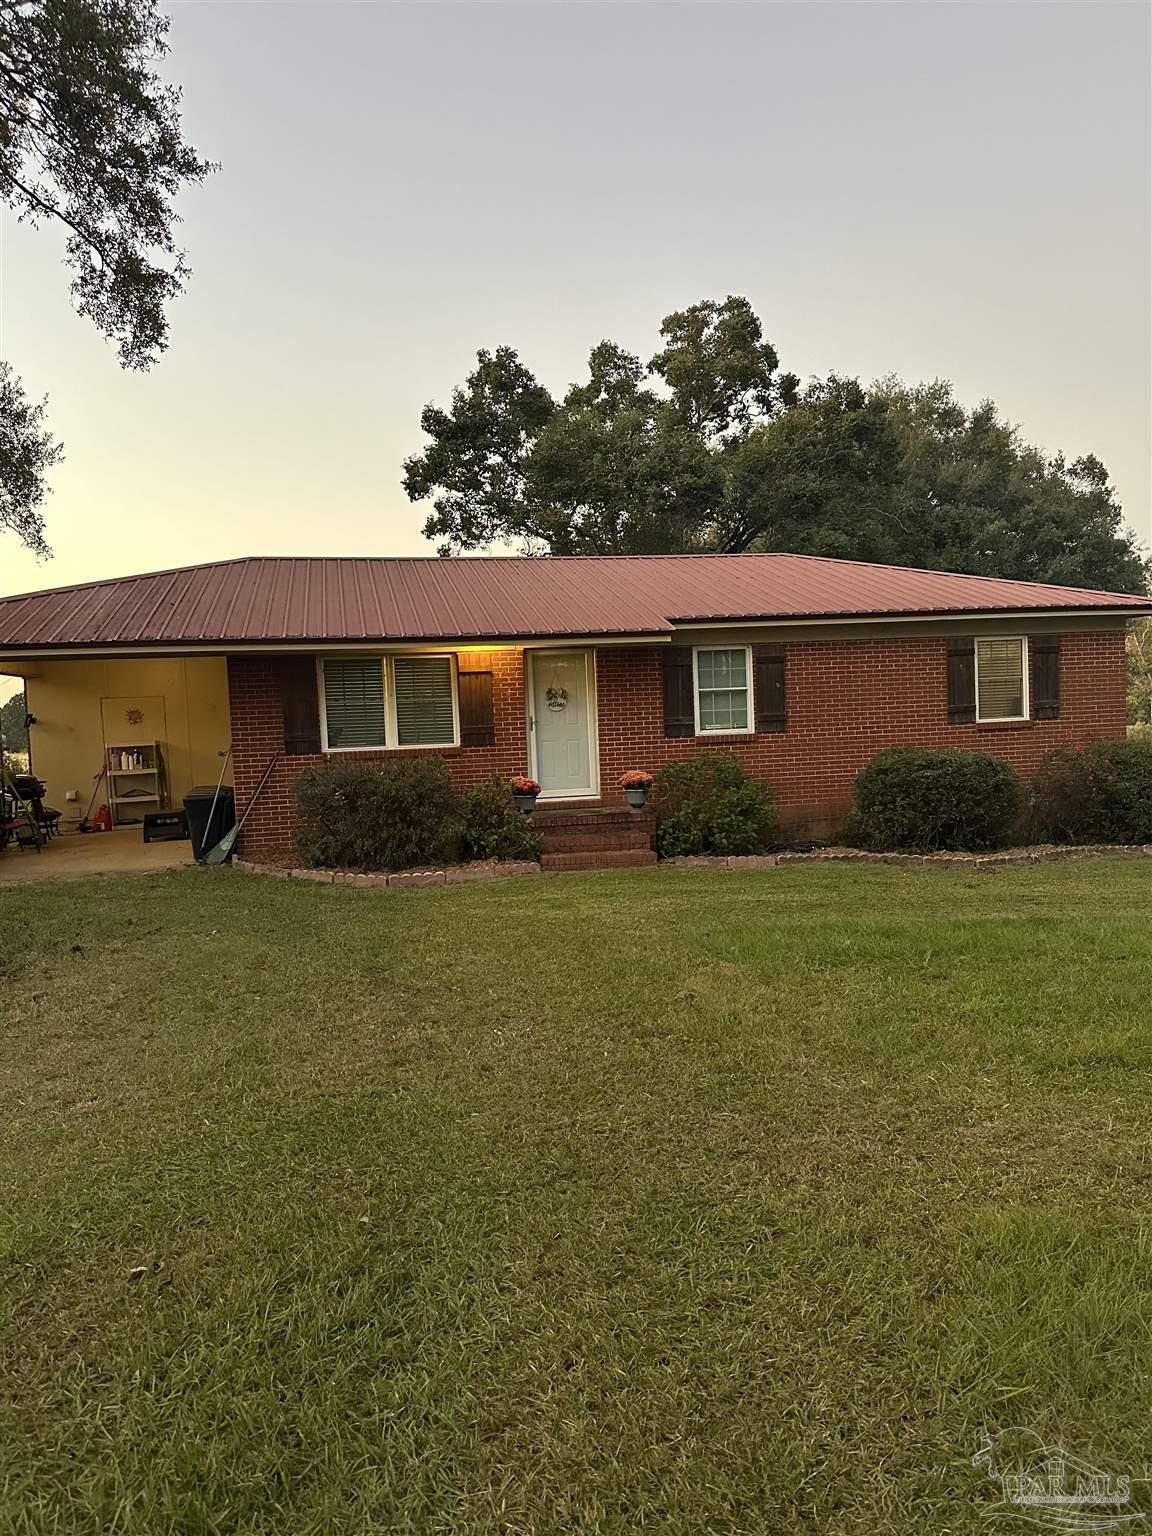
[593, 837]
[561, 840]
[603, 858]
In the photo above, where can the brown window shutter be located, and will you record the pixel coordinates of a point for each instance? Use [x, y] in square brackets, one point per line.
[477, 716]
[1044, 681]
[679, 706]
[961, 682]
[768, 688]
[300, 705]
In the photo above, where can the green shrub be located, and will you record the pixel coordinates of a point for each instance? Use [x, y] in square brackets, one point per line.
[708, 804]
[366, 815]
[912, 798]
[1100, 794]
[492, 827]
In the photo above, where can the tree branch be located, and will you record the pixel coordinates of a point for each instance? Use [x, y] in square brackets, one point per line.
[58, 213]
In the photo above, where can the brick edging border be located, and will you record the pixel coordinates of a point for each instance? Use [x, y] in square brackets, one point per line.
[461, 874]
[405, 880]
[1003, 858]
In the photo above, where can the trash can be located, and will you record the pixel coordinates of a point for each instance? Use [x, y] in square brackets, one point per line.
[198, 805]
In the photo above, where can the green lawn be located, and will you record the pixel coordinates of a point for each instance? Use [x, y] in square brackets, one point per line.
[645, 1201]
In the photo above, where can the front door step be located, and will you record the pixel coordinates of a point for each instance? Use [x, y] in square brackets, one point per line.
[587, 816]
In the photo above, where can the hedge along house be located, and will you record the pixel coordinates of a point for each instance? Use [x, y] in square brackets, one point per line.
[572, 669]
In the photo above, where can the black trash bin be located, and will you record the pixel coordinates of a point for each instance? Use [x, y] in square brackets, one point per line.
[198, 805]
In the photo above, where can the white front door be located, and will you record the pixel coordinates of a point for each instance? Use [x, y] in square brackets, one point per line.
[561, 725]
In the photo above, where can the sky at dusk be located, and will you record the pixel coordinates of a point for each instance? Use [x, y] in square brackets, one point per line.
[953, 190]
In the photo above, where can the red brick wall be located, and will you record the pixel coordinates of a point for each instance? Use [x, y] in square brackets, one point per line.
[847, 699]
[258, 734]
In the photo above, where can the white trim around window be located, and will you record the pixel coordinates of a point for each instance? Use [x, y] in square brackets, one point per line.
[387, 664]
[1025, 690]
[723, 730]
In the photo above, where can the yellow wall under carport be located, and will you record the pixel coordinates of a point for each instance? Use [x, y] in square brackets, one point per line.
[68, 738]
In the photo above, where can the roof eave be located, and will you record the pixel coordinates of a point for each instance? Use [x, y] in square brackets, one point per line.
[190, 646]
[919, 616]
[185, 646]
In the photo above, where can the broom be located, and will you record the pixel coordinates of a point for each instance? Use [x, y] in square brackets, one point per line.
[219, 786]
[85, 824]
[226, 844]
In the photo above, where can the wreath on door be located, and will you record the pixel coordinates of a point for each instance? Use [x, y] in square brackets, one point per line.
[557, 699]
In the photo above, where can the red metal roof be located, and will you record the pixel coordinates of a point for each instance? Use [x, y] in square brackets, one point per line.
[267, 600]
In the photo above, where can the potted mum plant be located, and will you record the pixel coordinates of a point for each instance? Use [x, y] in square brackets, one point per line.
[636, 784]
[524, 792]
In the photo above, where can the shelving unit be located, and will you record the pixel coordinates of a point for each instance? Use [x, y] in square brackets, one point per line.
[135, 780]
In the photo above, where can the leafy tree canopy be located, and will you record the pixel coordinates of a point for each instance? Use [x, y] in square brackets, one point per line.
[711, 447]
[90, 138]
[1139, 642]
[905, 475]
[13, 731]
[632, 462]
[26, 453]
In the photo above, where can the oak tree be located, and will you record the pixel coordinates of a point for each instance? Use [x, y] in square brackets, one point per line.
[710, 447]
[90, 139]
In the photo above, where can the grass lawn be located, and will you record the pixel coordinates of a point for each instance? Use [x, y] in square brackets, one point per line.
[639, 1201]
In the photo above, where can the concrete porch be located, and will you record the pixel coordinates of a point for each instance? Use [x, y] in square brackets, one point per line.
[74, 855]
[176, 708]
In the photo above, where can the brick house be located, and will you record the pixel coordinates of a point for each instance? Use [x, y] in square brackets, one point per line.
[571, 669]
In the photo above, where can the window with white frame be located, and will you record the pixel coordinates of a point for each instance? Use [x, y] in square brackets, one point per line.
[1002, 679]
[389, 701]
[723, 679]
